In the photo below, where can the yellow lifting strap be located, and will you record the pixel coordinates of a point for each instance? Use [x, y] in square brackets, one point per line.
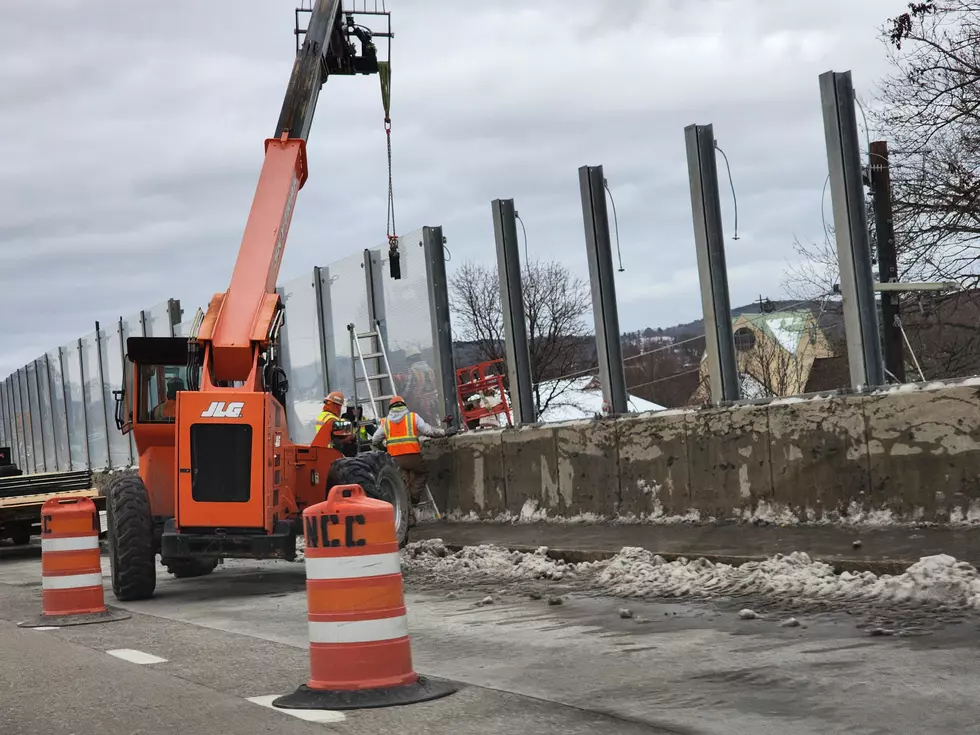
[384, 72]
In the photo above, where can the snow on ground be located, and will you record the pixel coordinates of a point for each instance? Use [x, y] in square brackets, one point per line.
[933, 581]
[762, 513]
[581, 398]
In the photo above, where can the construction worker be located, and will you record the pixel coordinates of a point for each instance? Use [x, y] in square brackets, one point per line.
[400, 431]
[166, 410]
[333, 404]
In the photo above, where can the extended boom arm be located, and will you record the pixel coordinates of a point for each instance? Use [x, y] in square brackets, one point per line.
[239, 321]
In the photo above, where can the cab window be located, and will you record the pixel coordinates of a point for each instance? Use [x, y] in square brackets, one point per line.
[158, 392]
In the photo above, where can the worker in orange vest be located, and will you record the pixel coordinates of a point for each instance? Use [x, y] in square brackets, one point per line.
[400, 431]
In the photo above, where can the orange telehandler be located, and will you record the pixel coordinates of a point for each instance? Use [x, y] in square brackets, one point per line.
[218, 475]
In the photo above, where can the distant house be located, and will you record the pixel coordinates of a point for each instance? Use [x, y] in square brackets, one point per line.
[781, 353]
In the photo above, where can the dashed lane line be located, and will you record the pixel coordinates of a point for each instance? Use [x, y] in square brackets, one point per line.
[321, 716]
[136, 657]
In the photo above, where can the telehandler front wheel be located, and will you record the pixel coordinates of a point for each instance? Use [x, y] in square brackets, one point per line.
[379, 476]
[129, 527]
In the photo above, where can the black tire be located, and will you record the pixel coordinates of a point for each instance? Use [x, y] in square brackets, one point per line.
[379, 476]
[21, 538]
[187, 568]
[129, 526]
[10, 470]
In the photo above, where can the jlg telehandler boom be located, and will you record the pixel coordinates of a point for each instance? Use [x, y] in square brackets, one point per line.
[218, 475]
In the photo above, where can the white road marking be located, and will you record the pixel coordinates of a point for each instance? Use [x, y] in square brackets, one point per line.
[136, 657]
[322, 716]
[47, 627]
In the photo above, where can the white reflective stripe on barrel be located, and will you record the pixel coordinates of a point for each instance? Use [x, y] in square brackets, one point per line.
[81, 543]
[359, 631]
[351, 567]
[70, 581]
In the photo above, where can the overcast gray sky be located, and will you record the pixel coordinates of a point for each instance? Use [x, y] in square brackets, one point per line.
[131, 141]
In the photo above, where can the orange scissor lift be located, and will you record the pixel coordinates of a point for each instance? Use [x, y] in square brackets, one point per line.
[474, 386]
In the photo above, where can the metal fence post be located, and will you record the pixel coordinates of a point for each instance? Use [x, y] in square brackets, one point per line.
[3, 414]
[40, 415]
[851, 230]
[442, 333]
[712, 269]
[12, 404]
[612, 374]
[125, 372]
[81, 369]
[512, 306]
[64, 400]
[26, 418]
[322, 326]
[54, 420]
[174, 314]
[105, 407]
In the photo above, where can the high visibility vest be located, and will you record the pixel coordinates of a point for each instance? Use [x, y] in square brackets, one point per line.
[402, 435]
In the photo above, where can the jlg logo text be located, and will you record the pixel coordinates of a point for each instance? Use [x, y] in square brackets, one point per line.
[217, 410]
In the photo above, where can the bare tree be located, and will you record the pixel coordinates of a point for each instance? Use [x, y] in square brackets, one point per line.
[555, 304]
[930, 108]
[816, 271]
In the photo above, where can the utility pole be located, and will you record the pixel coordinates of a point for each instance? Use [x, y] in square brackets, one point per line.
[881, 190]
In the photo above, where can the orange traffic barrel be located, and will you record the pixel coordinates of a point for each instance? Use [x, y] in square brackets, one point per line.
[71, 567]
[360, 654]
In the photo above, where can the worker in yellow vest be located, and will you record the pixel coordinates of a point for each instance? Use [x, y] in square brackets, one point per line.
[333, 404]
[400, 431]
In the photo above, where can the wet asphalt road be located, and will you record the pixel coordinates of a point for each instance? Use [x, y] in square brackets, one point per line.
[522, 663]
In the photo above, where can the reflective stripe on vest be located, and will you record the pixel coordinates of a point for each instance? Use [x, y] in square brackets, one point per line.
[402, 435]
[323, 417]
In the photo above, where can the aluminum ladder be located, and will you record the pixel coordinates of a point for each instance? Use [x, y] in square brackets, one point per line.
[380, 354]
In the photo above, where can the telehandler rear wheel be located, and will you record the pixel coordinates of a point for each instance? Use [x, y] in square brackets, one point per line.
[129, 526]
[379, 476]
[186, 568]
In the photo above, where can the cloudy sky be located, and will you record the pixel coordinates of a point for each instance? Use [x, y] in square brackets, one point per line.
[131, 140]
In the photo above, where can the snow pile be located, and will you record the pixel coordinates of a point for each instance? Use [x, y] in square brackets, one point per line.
[933, 581]
[482, 562]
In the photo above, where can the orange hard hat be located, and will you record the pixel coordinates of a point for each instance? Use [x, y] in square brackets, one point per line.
[335, 397]
[396, 401]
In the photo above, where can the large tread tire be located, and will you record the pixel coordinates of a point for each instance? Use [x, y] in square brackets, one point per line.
[187, 568]
[10, 470]
[379, 476]
[129, 526]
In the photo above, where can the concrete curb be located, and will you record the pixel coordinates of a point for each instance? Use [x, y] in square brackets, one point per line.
[840, 565]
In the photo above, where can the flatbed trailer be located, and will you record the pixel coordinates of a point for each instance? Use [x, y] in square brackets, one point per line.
[22, 496]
